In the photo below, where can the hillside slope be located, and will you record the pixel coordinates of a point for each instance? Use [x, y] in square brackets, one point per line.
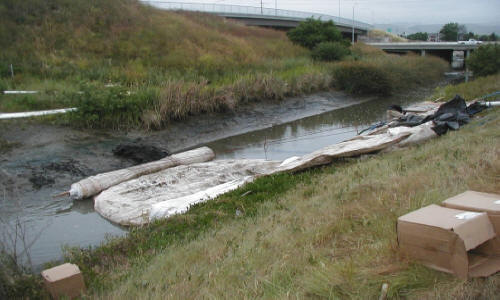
[123, 40]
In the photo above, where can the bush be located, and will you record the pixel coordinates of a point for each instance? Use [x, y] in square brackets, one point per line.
[329, 51]
[112, 107]
[312, 32]
[358, 77]
[485, 60]
[419, 36]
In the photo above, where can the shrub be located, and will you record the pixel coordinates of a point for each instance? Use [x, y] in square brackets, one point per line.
[419, 36]
[112, 107]
[485, 60]
[329, 51]
[312, 32]
[357, 77]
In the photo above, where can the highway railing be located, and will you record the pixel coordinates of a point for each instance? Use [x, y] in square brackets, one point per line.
[255, 12]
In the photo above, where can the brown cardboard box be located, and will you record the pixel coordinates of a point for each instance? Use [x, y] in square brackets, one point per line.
[442, 238]
[476, 201]
[480, 202]
[64, 280]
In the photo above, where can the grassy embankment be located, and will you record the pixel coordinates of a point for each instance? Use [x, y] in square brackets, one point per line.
[163, 65]
[327, 232]
[377, 35]
[477, 88]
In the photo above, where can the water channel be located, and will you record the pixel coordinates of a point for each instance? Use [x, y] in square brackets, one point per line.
[48, 223]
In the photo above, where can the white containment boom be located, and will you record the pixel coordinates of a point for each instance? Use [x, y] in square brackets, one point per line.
[131, 202]
[95, 184]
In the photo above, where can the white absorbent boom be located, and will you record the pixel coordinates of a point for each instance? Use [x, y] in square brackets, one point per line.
[95, 184]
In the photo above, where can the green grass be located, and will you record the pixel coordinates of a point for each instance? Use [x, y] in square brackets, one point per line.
[474, 89]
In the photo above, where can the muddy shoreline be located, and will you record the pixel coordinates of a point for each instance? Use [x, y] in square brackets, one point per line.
[50, 153]
[47, 159]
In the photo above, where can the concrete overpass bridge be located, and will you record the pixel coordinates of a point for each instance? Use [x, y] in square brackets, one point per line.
[441, 49]
[265, 17]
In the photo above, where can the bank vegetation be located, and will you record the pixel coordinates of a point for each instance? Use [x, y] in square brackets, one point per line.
[126, 65]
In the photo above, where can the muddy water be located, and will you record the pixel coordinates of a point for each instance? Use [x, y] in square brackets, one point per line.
[47, 159]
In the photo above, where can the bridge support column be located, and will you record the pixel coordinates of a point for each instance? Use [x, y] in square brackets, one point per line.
[422, 52]
[467, 54]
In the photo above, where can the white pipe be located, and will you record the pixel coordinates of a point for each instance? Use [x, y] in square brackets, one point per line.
[5, 116]
[491, 103]
[20, 92]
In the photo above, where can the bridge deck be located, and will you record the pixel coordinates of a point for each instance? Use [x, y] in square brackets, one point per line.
[275, 17]
[456, 46]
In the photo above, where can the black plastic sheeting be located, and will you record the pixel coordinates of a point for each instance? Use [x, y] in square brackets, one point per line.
[450, 116]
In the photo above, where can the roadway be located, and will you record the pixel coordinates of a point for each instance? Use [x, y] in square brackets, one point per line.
[417, 46]
[265, 17]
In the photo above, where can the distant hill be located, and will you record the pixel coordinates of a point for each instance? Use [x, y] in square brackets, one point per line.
[408, 28]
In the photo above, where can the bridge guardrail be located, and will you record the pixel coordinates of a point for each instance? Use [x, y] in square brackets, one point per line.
[254, 11]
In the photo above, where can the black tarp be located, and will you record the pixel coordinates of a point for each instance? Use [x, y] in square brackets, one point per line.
[450, 115]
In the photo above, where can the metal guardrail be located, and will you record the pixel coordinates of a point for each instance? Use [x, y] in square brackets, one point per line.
[252, 11]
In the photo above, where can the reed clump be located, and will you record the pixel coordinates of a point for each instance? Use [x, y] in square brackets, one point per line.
[370, 70]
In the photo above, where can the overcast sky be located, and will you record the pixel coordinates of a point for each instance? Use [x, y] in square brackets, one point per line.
[390, 11]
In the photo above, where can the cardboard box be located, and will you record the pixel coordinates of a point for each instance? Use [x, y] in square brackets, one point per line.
[442, 238]
[481, 202]
[64, 281]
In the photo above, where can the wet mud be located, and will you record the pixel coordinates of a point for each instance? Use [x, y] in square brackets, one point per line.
[46, 174]
[139, 153]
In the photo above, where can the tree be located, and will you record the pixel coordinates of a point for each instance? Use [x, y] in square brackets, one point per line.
[452, 32]
[485, 60]
[314, 31]
[419, 36]
[469, 36]
[493, 37]
[484, 37]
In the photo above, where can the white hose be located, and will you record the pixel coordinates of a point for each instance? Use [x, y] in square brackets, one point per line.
[491, 103]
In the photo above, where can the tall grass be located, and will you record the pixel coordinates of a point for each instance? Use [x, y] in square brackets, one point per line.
[474, 89]
[372, 71]
[122, 40]
[153, 107]
[377, 35]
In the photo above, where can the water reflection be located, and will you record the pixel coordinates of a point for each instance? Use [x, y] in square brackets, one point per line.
[309, 134]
